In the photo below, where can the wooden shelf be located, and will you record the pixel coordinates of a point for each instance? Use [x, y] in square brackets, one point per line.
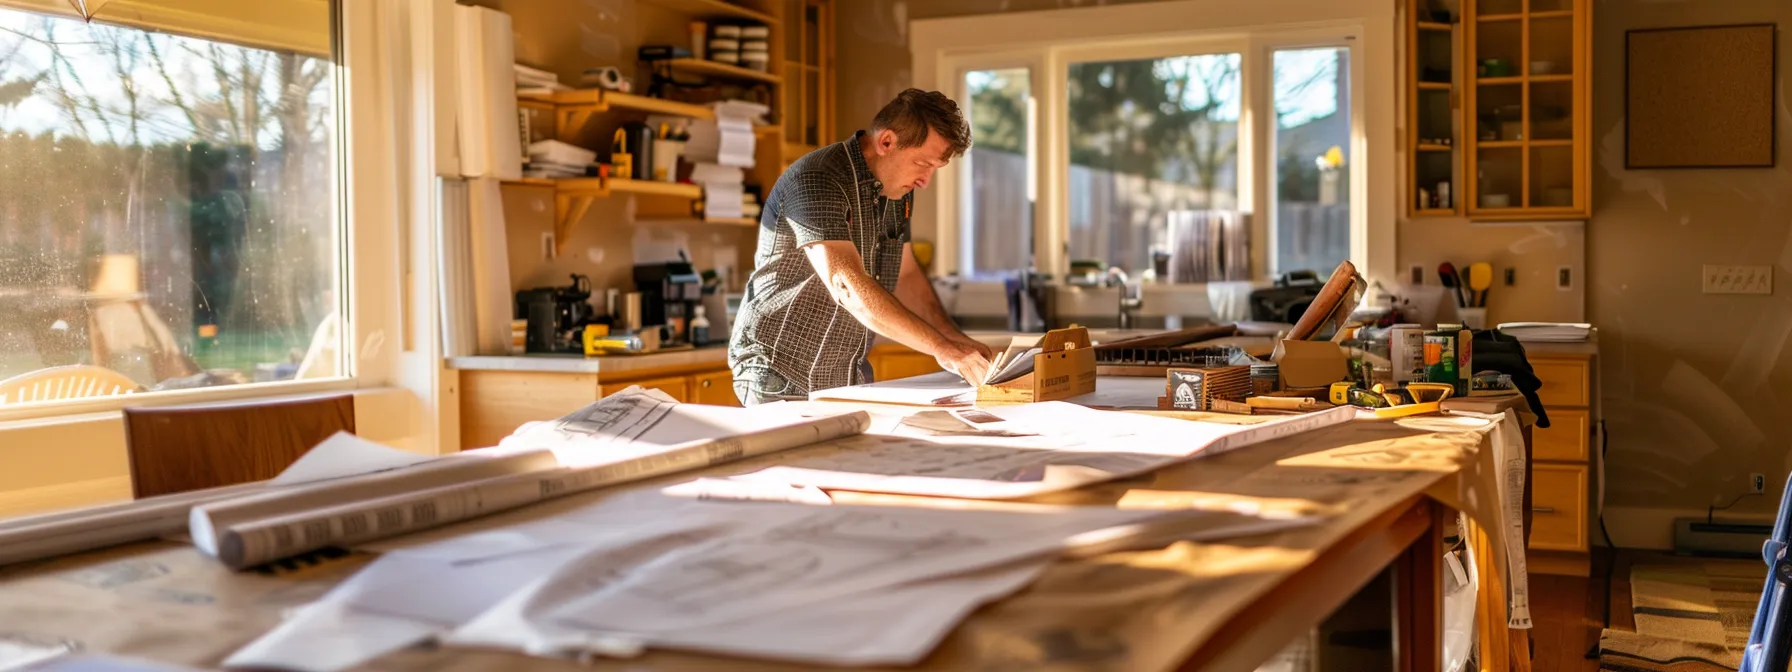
[1490, 18]
[656, 188]
[1433, 86]
[1553, 14]
[1499, 144]
[737, 221]
[715, 8]
[718, 69]
[1433, 25]
[1543, 79]
[1500, 81]
[1436, 148]
[1553, 142]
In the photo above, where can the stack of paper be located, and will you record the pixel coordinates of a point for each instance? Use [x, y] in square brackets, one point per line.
[728, 139]
[1014, 362]
[722, 190]
[935, 389]
[1547, 332]
[555, 159]
[532, 81]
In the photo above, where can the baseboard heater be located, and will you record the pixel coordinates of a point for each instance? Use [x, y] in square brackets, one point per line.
[1695, 536]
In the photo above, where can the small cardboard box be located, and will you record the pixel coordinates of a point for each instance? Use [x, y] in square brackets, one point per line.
[1064, 368]
[1308, 364]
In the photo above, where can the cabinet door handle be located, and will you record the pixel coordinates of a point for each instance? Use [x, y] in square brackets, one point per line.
[1543, 509]
[707, 382]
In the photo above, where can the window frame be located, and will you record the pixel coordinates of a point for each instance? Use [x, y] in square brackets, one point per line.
[943, 49]
[950, 248]
[373, 295]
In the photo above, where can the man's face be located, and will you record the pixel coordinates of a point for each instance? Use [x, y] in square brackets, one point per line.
[905, 169]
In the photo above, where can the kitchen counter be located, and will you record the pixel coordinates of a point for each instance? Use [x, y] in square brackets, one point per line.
[710, 355]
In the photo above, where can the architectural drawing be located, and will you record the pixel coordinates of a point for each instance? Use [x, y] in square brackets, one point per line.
[619, 417]
[872, 530]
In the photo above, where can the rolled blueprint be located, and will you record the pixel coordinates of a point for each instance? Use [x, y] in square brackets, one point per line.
[248, 543]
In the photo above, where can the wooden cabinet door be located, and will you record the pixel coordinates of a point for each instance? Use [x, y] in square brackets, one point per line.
[715, 388]
[899, 365]
[678, 387]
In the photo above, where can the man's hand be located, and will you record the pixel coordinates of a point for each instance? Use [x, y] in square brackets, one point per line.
[965, 360]
[989, 354]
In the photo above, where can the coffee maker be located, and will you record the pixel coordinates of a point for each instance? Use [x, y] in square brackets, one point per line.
[556, 316]
[670, 292]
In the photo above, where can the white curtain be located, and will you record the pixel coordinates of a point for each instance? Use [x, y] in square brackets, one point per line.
[489, 150]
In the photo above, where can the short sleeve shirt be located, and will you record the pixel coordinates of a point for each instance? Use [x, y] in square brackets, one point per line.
[790, 337]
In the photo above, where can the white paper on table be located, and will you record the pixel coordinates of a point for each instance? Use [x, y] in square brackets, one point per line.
[733, 490]
[344, 454]
[899, 626]
[934, 389]
[410, 595]
[89, 662]
[1072, 446]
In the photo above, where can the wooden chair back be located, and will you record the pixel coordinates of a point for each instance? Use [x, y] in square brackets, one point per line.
[181, 448]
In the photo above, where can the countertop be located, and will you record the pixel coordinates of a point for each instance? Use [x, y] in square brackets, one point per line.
[716, 355]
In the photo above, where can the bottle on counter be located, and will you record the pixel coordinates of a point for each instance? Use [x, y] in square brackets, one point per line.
[699, 328]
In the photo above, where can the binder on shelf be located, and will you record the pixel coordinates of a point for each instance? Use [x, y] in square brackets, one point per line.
[1062, 366]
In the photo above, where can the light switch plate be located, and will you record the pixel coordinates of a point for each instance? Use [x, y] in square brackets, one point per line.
[1564, 278]
[1737, 279]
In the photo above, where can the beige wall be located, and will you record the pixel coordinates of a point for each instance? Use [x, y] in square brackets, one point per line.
[1696, 386]
[566, 37]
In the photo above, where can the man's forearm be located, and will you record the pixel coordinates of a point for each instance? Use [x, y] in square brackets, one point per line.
[919, 298]
[884, 314]
[916, 293]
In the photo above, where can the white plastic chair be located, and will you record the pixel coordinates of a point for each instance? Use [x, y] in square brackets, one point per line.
[76, 381]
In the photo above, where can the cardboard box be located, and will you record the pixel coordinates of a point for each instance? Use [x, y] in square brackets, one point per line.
[1308, 364]
[1064, 368]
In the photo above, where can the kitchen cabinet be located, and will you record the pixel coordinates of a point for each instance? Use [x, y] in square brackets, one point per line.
[1562, 459]
[493, 403]
[1526, 102]
[1497, 109]
[893, 362]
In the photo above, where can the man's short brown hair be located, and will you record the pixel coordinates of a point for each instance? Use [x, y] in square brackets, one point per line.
[914, 111]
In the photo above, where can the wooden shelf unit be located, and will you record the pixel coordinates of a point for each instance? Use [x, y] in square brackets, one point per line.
[1433, 113]
[715, 9]
[719, 69]
[801, 38]
[1530, 126]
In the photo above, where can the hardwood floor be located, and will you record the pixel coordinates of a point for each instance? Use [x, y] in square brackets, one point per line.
[1567, 613]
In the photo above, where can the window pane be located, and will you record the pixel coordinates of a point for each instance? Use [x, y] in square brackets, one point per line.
[994, 201]
[168, 211]
[1312, 181]
[1153, 168]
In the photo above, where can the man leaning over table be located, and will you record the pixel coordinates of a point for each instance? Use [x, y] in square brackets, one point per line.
[834, 265]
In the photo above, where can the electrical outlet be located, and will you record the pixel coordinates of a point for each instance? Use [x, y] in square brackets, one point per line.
[1757, 483]
[1416, 275]
[1738, 279]
[1564, 278]
[547, 246]
[1511, 276]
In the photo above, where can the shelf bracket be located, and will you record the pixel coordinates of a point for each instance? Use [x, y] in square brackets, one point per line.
[570, 207]
[569, 119]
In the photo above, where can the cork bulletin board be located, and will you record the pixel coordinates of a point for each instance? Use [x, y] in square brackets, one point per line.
[1699, 97]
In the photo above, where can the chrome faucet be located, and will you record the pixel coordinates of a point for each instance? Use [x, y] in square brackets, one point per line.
[1131, 295]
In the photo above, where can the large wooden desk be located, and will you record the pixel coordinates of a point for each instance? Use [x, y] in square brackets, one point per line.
[1386, 489]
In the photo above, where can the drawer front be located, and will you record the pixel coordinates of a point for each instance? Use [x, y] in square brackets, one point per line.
[715, 389]
[1565, 382]
[1559, 507]
[1570, 430]
[896, 366]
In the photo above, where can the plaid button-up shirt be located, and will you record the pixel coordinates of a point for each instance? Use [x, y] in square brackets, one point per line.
[790, 337]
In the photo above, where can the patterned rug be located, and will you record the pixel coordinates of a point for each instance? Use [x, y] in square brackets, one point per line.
[1692, 615]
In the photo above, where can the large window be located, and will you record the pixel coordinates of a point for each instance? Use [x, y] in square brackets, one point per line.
[169, 213]
[1153, 148]
[1178, 147]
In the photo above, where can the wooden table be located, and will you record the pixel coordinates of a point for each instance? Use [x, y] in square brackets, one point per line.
[1385, 487]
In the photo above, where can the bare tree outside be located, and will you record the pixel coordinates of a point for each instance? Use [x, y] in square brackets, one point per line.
[168, 204]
